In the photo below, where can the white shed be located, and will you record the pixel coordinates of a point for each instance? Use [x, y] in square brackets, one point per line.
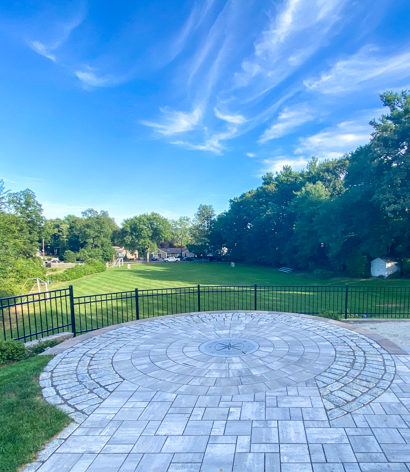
[383, 267]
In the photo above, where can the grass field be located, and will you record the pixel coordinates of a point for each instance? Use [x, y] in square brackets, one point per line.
[294, 293]
[162, 275]
[27, 421]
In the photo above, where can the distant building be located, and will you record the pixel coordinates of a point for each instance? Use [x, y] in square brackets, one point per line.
[383, 267]
[163, 253]
[122, 252]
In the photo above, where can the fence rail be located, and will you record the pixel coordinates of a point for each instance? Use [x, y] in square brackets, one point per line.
[33, 316]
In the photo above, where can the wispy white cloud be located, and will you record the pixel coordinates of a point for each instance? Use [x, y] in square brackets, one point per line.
[42, 49]
[276, 164]
[210, 44]
[60, 33]
[234, 119]
[193, 22]
[288, 119]
[210, 145]
[251, 154]
[176, 122]
[213, 143]
[90, 78]
[368, 66]
[236, 98]
[282, 45]
[336, 141]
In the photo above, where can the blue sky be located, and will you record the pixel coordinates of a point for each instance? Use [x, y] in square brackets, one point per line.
[136, 107]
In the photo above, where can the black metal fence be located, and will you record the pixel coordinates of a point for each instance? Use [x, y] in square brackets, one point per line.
[34, 316]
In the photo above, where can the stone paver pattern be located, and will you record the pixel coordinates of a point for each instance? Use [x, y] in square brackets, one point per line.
[312, 396]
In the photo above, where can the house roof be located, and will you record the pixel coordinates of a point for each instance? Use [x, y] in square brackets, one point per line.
[175, 250]
[118, 248]
[159, 250]
[385, 259]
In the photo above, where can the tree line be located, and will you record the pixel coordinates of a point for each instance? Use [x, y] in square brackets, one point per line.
[334, 215]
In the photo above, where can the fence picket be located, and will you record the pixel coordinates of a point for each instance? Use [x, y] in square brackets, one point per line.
[33, 316]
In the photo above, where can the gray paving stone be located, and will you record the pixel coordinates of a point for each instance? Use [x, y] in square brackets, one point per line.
[264, 435]
[157, 462]
[397, 452]
[294, 453]
[364, 444]
[326, 435]
[312, 392]
[339, 453]
[185, 444]
[244, 462]
[148, 444]
[218, 456]
[292, 432]
[382, 466]
[238, 427]
[107, 463]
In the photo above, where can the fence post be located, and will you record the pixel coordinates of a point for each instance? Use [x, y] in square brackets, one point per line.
[137, 304]
[255, 288]
[199, 297]
[72, 311]
[346, 300]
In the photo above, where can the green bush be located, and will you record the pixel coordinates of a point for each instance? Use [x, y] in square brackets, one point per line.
[323, 273]
[405, 266]
[69, 256]
[91, 267]
[357, 266]
[14, 276]
[329, 314]
[12, 351]
[41, 347]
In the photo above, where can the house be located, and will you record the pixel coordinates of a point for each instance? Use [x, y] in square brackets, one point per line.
[162, 253]
[383, 267]
[121, 252]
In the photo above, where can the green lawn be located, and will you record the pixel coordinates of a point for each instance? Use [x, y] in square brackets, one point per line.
[294, 293]
[163, 275]
[27, 421]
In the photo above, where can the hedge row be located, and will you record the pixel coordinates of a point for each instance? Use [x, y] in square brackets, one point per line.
[90, 267]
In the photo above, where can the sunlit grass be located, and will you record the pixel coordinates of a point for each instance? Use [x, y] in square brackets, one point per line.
[147, 276]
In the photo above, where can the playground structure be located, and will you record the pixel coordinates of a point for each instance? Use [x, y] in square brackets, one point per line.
[119, 262]
[37, 285]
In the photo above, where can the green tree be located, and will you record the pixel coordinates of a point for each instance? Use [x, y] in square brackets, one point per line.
[55, 234]
[95, 234]
[390, 155]
[25, 205]
[144, 232]
[181, 231]
[306, 249]
[90, 236]
[201, 230]
[3, 195]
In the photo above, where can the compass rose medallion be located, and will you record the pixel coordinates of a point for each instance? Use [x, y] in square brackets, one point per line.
[228, 347]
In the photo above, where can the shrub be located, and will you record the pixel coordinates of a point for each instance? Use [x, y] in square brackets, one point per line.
[12, 351]
[69, 256]
[323, 273]
[405, 266]
[41, 347]
[91, 267]
[329, 314]
[357, 266]
[14, 276]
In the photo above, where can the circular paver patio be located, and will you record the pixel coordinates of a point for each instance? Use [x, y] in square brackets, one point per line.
[210, 391]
